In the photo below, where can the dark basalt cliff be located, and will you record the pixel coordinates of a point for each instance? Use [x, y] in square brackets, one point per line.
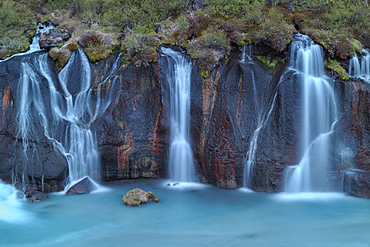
[226, 110]
[34, 160]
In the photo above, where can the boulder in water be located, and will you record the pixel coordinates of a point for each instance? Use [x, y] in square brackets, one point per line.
[356, 183]
[37, 197]
[84, 186]
[137, 196]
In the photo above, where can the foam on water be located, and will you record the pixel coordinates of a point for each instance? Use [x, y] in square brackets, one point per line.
[184, 185]
[310, 196]
[11, 205]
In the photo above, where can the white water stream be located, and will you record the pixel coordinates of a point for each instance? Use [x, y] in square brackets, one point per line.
[318, 115]
[178, 77]
[360, 67]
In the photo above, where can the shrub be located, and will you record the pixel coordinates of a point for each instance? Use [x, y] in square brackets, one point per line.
[209, 48]
[274, 31]
[140, 48]
[97, 45]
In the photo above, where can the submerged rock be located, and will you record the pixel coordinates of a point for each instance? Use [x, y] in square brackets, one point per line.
[82, 187]
[137, 196]
[37, 196]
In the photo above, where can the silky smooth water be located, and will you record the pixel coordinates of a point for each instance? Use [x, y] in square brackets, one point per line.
[192, 216]
[360, 67]
[178, 75]
[318, 109]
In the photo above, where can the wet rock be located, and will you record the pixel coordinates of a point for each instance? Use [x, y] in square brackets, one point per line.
[37, 196]
[58, 32]
[50, 41]
[137, 196]
[82, 187]
[357, 183]
[53, 37]
[134, 133]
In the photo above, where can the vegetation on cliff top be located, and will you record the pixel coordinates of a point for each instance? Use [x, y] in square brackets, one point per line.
[207, 29]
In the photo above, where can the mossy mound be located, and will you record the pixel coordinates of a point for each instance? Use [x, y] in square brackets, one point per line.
[97, 45]
[62, 55]
[140, 48]
[337, 69]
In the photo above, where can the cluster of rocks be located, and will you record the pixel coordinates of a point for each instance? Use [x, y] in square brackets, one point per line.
[53, 37]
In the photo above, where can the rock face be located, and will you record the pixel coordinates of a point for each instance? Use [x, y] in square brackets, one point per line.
[357, 183]
[137, 196]
[36, 159]
[227, 109]
[133, 134]
[225, 113]
[82, 187]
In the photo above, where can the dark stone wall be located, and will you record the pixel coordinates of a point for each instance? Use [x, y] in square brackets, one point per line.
[226, 109]
[133, 132]
[37, 160]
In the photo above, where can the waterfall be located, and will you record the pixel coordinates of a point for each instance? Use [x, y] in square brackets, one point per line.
[34, 46]
[318, 115]
[246, 56]
[262, 119]
[178, 79]
[360, 68]
[65, 115]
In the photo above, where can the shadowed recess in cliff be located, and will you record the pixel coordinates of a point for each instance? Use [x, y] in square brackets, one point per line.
[360, 67]
[178, 75]
[61, 110]
[318, 109]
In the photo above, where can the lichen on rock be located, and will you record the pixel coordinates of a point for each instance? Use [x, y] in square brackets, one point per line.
[62, 54]
[138, 196]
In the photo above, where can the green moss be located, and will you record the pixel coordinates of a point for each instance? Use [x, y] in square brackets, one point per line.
[205, 74]
[338, 69]
[209, 48]
[357, 45]
[240, 43]
[269, 62]
[72, 46]
[97, 45]
[339, 27]
[140, 49]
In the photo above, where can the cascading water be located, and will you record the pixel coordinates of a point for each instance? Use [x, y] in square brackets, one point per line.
[178, 77]
[262, 119]
[34, 46]
[10, 205]
[318, 115]
[67, 118]
[360, 67]
[246, 56]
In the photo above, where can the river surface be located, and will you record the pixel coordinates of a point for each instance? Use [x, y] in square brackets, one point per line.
[191, 215]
